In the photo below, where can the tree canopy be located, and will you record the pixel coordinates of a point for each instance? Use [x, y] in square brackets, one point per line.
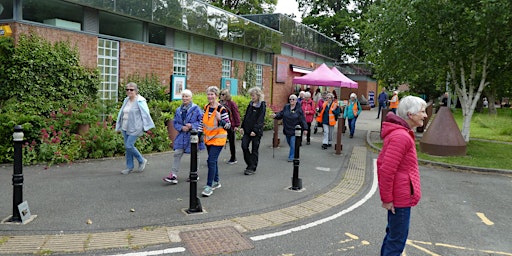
[431, 40]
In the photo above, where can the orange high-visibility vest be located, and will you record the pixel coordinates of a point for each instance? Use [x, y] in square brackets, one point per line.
[394, 104]
[332, 121]
[213, 134]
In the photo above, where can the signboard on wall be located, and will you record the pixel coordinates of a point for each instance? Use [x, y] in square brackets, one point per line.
[231, 84]
[282, 70]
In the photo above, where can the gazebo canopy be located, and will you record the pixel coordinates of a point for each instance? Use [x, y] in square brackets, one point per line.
[323, 76]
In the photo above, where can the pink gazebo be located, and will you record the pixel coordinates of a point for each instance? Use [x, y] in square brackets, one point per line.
[323, 76]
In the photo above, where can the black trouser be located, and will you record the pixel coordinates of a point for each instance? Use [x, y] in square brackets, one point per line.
[251, 157]
[232, 148]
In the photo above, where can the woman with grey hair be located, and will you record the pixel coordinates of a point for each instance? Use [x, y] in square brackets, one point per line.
[398, 172]
[352, 111]
[292, 115]
[252, 129]
[327, 117]
[187, 117]
[133, 120]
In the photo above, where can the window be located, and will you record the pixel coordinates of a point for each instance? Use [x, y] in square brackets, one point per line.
[116, 25]
[108, 64]
[259, 76]
[54, 12]
[226, 68]
[180, 63]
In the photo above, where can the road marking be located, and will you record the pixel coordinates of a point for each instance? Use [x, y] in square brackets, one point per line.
[324, 169]
[484, 219]
[416, 244]
[156, 252]
[332, 217]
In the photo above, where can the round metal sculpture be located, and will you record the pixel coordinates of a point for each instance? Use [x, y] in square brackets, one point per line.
[443, 137]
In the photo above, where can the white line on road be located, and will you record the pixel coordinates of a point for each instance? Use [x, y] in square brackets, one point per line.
[156, 252]
[332, 217]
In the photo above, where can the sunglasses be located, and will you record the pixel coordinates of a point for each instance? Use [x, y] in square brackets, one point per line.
[131, 90]
[222, 94]
[291, 99]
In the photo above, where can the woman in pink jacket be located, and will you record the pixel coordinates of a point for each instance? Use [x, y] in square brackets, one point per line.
[398, 173]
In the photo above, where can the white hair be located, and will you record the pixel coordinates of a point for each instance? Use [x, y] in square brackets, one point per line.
[307, 95]
[410, 104]
[187, 92]
[353, 95]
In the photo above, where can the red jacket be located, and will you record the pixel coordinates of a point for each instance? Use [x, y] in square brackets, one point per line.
[308, 107]
[397, 165]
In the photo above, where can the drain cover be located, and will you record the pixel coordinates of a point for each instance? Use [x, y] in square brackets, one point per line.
[215, 241]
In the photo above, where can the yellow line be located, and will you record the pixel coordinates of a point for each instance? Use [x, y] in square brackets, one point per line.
[409, 242]
[484, 219]
[352, 236]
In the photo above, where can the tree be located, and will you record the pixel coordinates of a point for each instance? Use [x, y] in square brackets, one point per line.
[341, 20]
[241, 7]
[464, 38]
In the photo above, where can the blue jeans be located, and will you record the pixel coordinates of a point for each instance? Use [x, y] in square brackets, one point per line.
[396, 232]
[212, 161]
[381, 107]
[291, 143]
[352, 125]
[131, 150]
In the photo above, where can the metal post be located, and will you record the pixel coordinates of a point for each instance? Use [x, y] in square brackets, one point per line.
[296, 182]
[339, 144]
[195, 203]
[17, 177]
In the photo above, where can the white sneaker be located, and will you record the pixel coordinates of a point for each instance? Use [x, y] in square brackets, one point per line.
[142, 165]
[126, 171]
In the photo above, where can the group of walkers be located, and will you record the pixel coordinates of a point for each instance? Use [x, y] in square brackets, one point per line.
[217, 122]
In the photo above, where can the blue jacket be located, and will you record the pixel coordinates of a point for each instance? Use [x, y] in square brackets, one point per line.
[139, 117]
[194, 116]
[291, 119]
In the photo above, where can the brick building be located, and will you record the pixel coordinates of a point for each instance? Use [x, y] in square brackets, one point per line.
[200, 43]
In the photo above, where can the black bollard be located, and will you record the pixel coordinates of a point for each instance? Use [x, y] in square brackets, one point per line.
[296, 182]
[195, 203]
[17, 177]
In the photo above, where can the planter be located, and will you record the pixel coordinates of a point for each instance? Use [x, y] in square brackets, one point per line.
[171, 132]
[83, 128]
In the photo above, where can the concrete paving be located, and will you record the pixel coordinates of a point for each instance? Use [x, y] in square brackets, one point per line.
[89, 207]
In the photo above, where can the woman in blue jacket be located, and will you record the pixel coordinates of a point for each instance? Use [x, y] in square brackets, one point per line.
[352, 111]
[188, 117]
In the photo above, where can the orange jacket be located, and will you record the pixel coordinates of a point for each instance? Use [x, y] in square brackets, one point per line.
[214, 135]
[395, 103]
[332, 120]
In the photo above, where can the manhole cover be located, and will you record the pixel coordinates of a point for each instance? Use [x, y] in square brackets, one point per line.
[215, 241]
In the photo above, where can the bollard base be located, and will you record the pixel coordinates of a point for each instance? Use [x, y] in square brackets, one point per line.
[296, 184]
[196, 209]
[9, 220]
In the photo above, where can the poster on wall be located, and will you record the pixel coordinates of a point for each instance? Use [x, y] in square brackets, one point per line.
[178, 84]
[282, 70]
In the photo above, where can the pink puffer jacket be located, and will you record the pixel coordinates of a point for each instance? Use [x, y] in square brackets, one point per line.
[397, 165]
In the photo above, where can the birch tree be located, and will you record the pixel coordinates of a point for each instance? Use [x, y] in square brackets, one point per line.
[462, 37]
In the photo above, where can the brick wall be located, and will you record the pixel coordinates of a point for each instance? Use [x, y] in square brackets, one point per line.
[203, 71]
[136, 58]
[87, 45]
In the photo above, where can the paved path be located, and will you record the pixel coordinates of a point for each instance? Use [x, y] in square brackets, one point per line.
[89, 206]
